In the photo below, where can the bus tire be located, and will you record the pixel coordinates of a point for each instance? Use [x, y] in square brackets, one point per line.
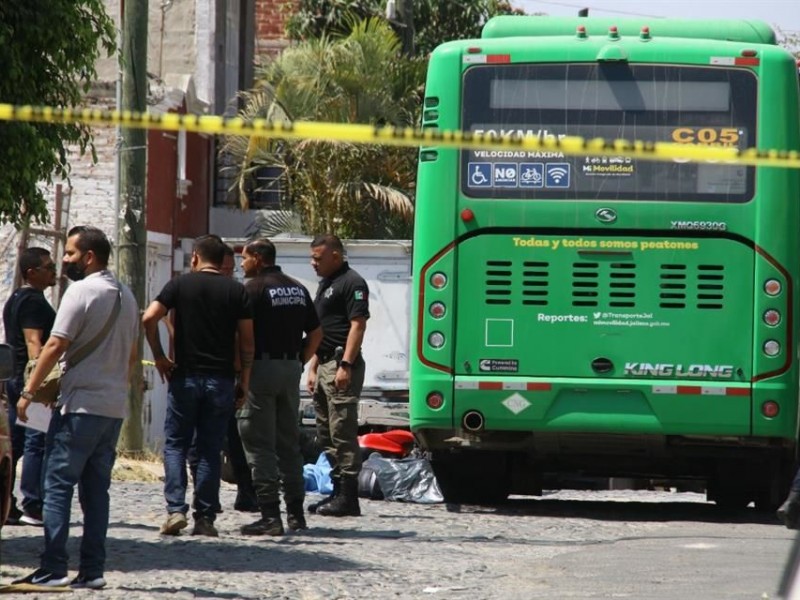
[472, 477]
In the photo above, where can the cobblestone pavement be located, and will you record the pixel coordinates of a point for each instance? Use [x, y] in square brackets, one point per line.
[570, 544]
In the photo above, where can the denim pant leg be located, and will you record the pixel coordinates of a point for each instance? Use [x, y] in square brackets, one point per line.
[214, 411]
[94, 484]
[30, 483]
[13, 389]
[179, 427]
[74, 442]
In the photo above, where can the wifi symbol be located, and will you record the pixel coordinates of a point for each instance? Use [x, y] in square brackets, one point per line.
[559, 175]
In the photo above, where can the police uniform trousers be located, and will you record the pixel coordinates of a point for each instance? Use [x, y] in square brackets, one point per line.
[337, 418]
[270, 430]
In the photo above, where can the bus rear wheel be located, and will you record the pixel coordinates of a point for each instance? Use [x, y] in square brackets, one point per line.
[472, 477]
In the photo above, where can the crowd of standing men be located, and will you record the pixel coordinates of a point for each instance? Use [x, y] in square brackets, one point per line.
[235, 358]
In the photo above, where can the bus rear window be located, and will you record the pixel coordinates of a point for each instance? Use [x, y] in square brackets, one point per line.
[701, 105]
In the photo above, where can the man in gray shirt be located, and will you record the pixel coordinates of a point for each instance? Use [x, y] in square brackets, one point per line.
[95, 331]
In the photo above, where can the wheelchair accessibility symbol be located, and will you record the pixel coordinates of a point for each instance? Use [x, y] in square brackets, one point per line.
[479, 174]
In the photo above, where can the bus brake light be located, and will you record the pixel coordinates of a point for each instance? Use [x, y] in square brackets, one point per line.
[772, 287]
[438, 280]
[467, 215]
[437, 310]
[770, 409]
[434, 400]
[772, 317]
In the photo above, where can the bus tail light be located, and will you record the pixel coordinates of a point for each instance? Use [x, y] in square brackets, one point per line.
[437, 310]
[772, 317]
[434, 400]
[772, 348]
[770, 409]
[438, 280]
[436, 339]
[772, 287]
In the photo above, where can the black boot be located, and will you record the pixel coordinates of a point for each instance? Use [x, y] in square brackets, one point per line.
[295, 519]
[314, 506]
[346, 503]
[789, 512]
[269, 524]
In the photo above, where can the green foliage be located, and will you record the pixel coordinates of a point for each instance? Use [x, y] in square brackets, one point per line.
[353, 190]
[434, 21]
[48, 50]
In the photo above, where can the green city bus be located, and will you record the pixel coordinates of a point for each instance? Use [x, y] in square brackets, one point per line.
[607, 316]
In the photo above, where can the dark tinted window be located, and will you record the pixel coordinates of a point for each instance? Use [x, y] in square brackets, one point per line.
[707, 105]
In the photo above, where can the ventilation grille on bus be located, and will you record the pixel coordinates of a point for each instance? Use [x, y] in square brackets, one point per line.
[692, 286]
[498, 281]
[610, 285]
[604, 285]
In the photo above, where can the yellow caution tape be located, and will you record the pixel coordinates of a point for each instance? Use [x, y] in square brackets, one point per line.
[400, 136]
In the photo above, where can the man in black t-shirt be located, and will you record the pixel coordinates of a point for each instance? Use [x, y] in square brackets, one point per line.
[283, 314]
[210, 309]
[28, 319]
[336, 373]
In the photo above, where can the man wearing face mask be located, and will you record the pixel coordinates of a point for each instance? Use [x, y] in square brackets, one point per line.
[95, 331]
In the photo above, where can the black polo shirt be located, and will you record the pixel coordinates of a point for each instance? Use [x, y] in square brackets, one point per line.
[282, 313]
[340, 298]
[208, 307]
[27, 308]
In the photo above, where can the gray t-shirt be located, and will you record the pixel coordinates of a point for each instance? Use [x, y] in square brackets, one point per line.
[98, 384]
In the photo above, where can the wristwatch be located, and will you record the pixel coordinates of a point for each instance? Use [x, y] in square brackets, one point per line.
[26, 394]
[345, 364]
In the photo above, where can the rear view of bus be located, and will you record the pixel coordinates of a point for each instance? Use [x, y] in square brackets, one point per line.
[608, 315]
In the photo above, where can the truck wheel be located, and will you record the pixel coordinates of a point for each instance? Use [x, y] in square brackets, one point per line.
[472, 477]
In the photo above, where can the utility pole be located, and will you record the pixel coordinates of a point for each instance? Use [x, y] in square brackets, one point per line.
[131, 226]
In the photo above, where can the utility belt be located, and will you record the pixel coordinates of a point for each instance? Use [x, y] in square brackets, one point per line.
[336, 355]
[278, 356]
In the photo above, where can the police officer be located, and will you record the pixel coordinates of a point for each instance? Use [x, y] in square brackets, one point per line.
[336, 373]
[269, 420]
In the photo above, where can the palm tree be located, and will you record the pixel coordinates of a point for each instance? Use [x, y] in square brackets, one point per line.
[353, 190]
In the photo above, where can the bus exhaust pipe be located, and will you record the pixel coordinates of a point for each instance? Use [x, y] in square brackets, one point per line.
[473, 421]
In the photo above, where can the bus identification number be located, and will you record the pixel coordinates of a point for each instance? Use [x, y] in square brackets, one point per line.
[725, 136]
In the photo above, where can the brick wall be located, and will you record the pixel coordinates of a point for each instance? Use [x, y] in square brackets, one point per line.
[270, 16]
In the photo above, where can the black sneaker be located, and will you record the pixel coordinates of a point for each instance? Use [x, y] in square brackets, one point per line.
[31, 518]
[90, 583]
[14, 515]
[44, 578]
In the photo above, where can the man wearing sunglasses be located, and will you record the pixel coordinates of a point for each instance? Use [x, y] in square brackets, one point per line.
[28, 318]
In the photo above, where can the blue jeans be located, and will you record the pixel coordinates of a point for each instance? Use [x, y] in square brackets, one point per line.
[27, 444]
[82, 453]
[198, 407]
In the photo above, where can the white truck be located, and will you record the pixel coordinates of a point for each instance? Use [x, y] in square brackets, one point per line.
[386, 267]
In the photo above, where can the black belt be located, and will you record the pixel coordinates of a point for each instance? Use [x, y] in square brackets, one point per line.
[279, 356]
[326, 356]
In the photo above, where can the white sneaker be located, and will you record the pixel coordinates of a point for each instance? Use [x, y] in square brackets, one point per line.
[83, 582]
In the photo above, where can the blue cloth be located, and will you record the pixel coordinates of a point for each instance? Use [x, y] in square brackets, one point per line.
[318, 476]
[201, 404]
[82, 453]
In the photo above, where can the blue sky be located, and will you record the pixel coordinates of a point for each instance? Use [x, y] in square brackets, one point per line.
[781, 14]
